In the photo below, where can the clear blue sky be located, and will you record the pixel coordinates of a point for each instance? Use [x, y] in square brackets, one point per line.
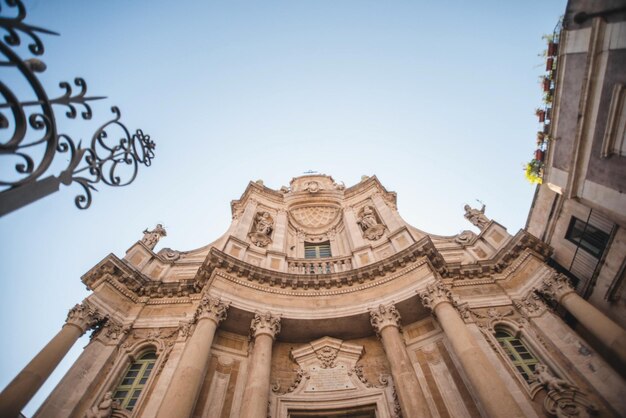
[435, 98]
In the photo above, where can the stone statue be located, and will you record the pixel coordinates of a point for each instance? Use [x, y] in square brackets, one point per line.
[262, 229]
[550, 382]
[367, 219]
[264, 223]
[372, 230]
[103, 409]
[476, 217]
[150, 238]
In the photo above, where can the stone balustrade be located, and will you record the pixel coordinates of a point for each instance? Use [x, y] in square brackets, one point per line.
[319, 266]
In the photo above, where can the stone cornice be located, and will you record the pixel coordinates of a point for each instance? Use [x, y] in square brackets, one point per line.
[142, 289]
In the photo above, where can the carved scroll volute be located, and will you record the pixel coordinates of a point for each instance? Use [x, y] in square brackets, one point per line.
[384, 316]
[434, 295]
[265, 323]
[212, 308]
[84, 317]
[556, 287]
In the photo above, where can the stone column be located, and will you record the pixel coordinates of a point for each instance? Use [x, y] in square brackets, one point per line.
[495, 399]
[21, 389]
[611, 335]
[263, 330]
[386, 322]
[182, 393]
[80, 380]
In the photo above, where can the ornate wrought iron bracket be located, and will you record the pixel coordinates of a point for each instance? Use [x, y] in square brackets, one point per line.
[29, 136]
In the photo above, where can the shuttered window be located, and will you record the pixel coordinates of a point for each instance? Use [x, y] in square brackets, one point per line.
[321, 250]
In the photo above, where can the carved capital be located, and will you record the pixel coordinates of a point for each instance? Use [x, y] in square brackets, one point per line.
[384, 316]
[111, 332]
[556, 287]
[212, 308]
[530, 305]
[84, 317]
[265, 323]
[435, 294]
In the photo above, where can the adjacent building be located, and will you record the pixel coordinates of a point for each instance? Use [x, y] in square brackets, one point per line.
[580, 209]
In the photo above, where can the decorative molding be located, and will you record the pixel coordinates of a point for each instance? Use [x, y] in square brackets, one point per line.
[85, 317]
[265, 323]
[435, 294]
[530, 305]
[385, 316]
[141, 289]
[211, 308]
[556, 287]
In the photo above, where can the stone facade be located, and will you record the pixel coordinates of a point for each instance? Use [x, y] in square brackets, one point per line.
[299, 311]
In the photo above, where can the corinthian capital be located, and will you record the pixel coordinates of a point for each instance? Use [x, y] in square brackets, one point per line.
[84, 317]
[265, 323]
[556, 287]
[384, 316]
[212, 308]
[434, 295]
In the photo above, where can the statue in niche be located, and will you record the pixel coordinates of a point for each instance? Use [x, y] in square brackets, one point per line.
[543, 376]
[104, 409]
[368, 222]
[151, 238]
[476, 217]
[262, 229]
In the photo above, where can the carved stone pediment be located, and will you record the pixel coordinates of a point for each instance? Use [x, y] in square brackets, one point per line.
[328, 365]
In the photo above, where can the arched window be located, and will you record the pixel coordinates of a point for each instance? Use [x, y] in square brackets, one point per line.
[134, 381]
[522, 358]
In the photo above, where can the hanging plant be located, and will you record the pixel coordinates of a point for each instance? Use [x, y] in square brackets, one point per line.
[540, 138]
[539, 155]
[533, 171]
[541, 114]
[546, 84]
[553, 49]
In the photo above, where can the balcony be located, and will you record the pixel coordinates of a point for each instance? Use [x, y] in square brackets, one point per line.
[319, 265]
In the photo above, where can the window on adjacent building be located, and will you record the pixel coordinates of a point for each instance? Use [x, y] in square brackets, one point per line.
[590, 238]
[134, 381]
[614, 142]
[518, 353]
[321, 250]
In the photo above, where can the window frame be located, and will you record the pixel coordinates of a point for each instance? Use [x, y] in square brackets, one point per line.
[586, 230]
[143, 372]
[317, 249]
[510, 345]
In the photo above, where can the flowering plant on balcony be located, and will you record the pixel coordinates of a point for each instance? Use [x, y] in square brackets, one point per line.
[533, 171]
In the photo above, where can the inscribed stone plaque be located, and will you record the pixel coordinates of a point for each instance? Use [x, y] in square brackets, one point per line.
[325, 380]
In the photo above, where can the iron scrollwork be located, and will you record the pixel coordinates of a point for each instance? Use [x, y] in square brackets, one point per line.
[29, 133]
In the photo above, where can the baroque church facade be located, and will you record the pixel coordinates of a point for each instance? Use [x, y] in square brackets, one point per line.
[321, 301]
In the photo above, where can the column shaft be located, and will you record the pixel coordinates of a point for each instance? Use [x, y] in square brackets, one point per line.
[77, 382]
[21, 389]
[491, 391]
[257, 392]
[611, 335]
[412, 400]
[182, 393]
